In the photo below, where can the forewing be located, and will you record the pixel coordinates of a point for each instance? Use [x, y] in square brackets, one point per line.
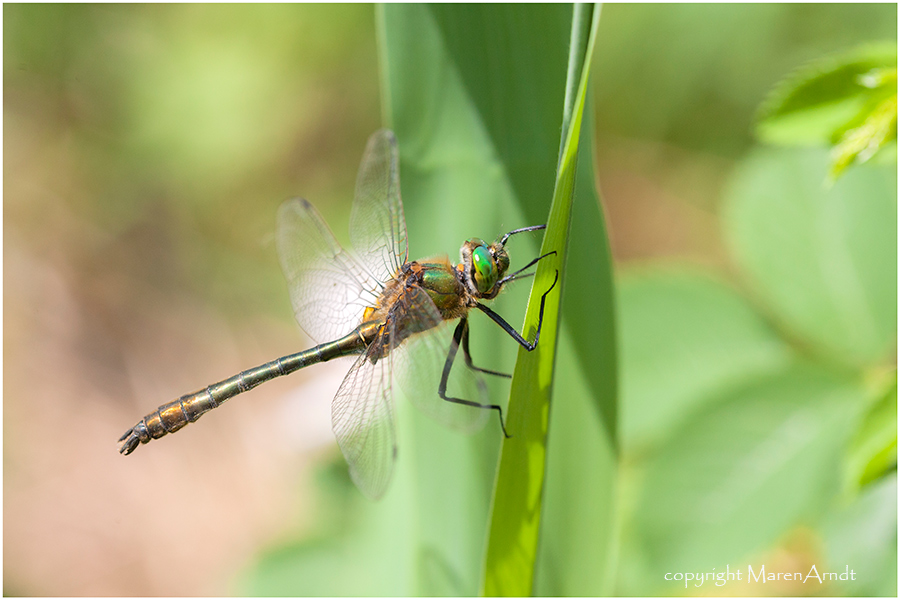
[377, 225]
[329, 289]
[362, 417]
[420, 360]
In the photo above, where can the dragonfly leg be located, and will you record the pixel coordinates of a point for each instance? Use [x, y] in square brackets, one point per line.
[509, 328]
[448, 364]
[514, 276]
[521, 230]
[468, 356]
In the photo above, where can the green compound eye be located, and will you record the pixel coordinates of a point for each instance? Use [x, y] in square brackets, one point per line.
[485, 269]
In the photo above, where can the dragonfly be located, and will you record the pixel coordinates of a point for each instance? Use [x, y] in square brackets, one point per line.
[381, 309]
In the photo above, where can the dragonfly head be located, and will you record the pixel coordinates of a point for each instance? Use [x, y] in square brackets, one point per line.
[484, 266]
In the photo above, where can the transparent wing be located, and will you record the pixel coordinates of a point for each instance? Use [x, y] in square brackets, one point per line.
[362, 417]
[377, 225]
[329, 289]
[420, 359]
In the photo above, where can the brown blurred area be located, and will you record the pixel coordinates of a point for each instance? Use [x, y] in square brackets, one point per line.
[660, 200]
[146, 149]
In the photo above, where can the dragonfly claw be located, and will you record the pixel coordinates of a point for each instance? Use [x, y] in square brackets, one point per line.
[133, 438]
[128, 442]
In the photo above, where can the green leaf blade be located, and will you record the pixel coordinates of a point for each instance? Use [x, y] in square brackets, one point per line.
[517, 502]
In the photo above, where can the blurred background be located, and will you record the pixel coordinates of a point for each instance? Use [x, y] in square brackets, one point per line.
[146, 150]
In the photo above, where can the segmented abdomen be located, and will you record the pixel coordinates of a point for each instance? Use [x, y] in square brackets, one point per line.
[168, 418]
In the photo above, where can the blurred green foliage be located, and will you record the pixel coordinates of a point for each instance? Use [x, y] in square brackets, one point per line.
[692, 335]
[186, 120]
[764, 446]
[873, 451]
[848, 100]
[823, 261]
[693, 75]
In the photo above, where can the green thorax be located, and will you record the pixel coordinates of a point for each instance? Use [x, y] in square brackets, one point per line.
[440, 282]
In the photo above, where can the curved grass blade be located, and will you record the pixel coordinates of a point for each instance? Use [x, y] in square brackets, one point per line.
[516, 507]
[576, 556]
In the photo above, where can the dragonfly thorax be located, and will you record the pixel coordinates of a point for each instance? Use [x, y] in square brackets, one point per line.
[483, 266]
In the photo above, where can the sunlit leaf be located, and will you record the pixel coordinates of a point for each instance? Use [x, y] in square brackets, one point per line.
[873, 451]
[861, 142]
[822, 96]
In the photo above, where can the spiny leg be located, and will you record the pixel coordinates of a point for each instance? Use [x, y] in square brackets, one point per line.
[468, 356]
[521, 230]
[448, 364]
[509, 328]
[517, 277]
[514, 276]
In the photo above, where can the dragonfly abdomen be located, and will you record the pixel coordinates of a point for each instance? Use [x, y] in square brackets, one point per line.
[171, 417]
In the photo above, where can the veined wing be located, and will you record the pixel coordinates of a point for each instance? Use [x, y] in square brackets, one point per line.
[329, 289]
[362, 416]
[410, 347]
[420, 359]
[377, 225]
